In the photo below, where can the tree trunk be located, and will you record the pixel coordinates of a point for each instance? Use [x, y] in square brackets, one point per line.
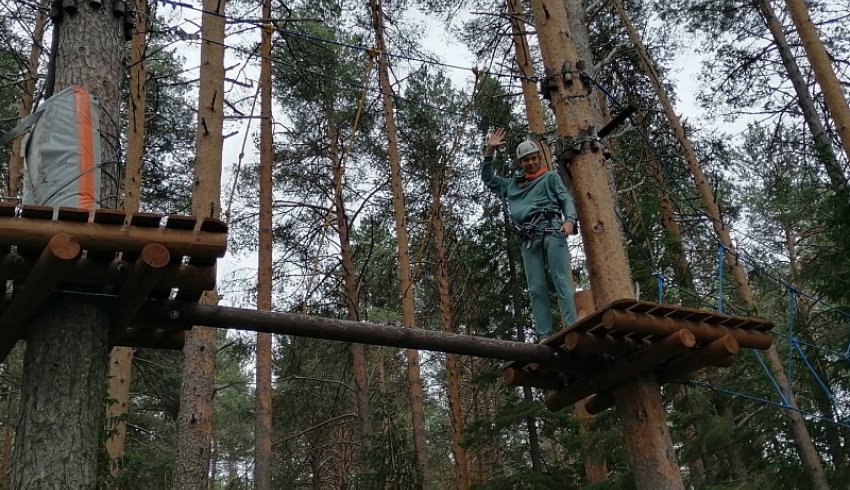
[5, 454]
[16, 159]
[61, 411]
[414, 378]
[652, 459]
[833, 94]
[121, 358]
[350, 282]
[194, 420]
[805, 447]
[457, 411]
[823, 145]
[263, 422]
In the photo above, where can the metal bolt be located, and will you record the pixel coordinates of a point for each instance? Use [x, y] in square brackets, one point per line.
[174, 314]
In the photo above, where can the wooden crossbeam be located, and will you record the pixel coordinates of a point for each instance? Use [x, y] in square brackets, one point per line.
[52, 265]
[146, 274]
[639, 362]
[650, 325]
[110, 238]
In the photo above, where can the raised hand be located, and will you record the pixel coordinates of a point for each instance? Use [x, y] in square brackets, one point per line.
[494, 141]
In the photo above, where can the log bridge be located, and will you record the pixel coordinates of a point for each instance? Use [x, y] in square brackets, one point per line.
[150, 270]
[123, 259]
[628, 338]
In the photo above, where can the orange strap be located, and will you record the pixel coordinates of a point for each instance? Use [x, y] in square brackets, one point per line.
[533, 176]
[86, 141]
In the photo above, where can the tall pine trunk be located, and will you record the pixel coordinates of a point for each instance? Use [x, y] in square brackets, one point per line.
[414, 377]
[61, 409]
[263, 421]
[350, 283]
[647, 438]
[454, 375]
[805, 446]
[823, 145]
[121, 358]
[195, 417]
[833, 93]
[16, 159]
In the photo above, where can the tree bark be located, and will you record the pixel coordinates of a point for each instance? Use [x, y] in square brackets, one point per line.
[823, 145]
[805, 447]
[263, 422]
[121, 358]
[61, 411]
[350, 282]
[457, 411]
[194, 420]
[833, 94]
[414, 378]
[16, 159]
[652, 460]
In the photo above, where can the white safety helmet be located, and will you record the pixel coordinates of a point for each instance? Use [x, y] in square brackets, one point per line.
[526, 148]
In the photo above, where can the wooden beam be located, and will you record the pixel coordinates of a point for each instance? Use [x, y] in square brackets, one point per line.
[519, 377]
[101, 237]
[347, 331]
[632, 366]
[91, 272]
[721, 352]
[146, 274]
[649, 325]
[587, 342]
[55, 261]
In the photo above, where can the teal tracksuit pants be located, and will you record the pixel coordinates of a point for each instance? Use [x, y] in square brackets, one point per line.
[541, 253]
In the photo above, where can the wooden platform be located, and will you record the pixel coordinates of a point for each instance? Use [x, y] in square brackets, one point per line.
[628, 338]
[152, 256]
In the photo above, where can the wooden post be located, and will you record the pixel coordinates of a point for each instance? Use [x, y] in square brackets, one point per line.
[54, 262]
[651, 457]
[148, 270]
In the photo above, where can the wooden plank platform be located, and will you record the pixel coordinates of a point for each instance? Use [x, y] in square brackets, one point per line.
[127, 257]
[628, 338]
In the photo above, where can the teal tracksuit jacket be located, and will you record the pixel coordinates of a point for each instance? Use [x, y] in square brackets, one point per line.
[540, 207]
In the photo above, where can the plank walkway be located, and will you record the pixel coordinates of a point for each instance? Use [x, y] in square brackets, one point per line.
[628, 338]
[44, 250]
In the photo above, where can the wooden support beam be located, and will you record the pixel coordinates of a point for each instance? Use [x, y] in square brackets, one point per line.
[640, 362]
[146, 274]
[649, 325]
[150, 339]
[519, 377]
[721, 352]
[348, 331]
[599, 402]
[101, 237]
[91, 272]
[587, 342]
[55, 261]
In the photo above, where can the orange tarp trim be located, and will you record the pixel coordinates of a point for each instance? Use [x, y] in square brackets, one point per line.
[86, 140]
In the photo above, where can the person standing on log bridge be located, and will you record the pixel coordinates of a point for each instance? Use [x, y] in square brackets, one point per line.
[542, 208]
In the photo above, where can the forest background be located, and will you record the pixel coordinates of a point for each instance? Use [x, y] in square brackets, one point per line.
[770, 176]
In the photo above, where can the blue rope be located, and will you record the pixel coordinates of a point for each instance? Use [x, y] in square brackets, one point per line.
[660, 278]
[721, 252]
[703, 384]
[823, 386]
[771, 378]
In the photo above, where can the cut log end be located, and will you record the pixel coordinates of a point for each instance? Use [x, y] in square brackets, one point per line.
[64, 247]
[155, 255]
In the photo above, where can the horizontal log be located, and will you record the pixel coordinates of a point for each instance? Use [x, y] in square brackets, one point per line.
[49, 270]
[719, 353]
[599, 402]
[348, 331]
[514, 376]
[623, 369]
[16, 267]
[649, 325]
[591, 343]
[146, 274]
[100, 237]
[151, 339]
